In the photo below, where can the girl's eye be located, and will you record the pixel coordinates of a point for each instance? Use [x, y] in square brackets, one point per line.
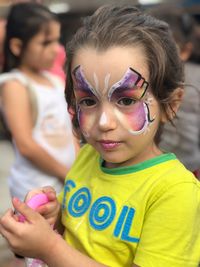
[126, 101]
[87, 102]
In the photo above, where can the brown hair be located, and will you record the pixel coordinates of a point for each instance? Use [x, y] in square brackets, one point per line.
[127, 26]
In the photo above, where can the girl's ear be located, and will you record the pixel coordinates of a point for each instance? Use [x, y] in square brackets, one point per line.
[173, 104]
[16, 46]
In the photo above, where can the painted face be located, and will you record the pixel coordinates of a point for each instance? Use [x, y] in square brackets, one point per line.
[127, 99]
[117, 111]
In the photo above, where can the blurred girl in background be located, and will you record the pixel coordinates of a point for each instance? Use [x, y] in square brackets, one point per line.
[33, 101]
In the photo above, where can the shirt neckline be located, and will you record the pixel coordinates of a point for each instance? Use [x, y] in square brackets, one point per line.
[137, 167]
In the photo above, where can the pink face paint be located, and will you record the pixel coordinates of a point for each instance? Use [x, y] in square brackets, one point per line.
[132, 87]
[83, 90]
[136, 120]
[133, 116]
[86, 121]
[132, 82]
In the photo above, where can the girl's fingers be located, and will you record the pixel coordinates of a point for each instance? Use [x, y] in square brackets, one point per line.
[50, 207]
[23, 209]
[51, 196]
[33, 193]
[5, 233]
[8, 221]
[50, 192]
[47, 189]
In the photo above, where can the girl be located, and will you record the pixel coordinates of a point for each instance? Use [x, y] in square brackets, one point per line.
[33, 101]
[125, 202]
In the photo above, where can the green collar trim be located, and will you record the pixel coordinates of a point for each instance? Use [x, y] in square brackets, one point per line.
[138, 167]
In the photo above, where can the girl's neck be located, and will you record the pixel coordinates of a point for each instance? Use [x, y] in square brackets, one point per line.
[30, 71]
[149, 153]
[36, 75]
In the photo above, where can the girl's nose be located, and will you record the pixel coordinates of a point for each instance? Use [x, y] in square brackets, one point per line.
[107, 120]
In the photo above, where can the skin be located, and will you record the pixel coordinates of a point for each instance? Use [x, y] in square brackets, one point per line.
[42, 50]
[2, 36]
[131, 150]
[127, 98]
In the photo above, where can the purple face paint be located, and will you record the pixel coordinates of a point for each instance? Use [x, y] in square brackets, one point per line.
[128, 93]
[81, 85]
[126, 98]
[132, 82]
[83, 90]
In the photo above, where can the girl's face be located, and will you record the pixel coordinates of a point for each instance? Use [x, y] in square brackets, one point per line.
[117, 111]
[42, 49]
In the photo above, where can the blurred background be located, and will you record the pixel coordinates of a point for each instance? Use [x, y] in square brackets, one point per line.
[70, 13]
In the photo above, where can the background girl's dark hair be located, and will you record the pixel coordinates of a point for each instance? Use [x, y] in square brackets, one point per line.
[24, 21]
[126, 26]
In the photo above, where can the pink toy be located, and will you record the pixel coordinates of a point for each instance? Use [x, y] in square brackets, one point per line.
[35, 202]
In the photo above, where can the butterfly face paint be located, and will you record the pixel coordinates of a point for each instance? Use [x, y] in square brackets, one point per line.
[84, 90]
[129, 94]
[127, 98]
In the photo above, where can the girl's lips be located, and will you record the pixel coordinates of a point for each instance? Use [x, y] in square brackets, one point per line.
[108, 144]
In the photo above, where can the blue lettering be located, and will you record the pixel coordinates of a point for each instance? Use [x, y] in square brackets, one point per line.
[102, 213]
[127, 226]
[79, 202]
[120, 221]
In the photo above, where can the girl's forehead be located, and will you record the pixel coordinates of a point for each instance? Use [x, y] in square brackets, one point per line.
[48, 29]
[114, 62]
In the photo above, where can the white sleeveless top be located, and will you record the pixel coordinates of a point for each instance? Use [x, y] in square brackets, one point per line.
[52, 131]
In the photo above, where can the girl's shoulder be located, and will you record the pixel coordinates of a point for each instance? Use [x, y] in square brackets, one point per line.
[173, 174]
[13, 78]
[87, 158]
[87, 151]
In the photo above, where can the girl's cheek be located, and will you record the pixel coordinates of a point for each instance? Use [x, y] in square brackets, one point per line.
[134, 119]
[86, 122]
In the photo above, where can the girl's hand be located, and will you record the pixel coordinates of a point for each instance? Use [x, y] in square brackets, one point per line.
[32, 238]
[50, 210]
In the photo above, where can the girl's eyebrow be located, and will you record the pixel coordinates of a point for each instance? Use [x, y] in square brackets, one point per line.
[85, 85]
[49, 41]
[130, 78]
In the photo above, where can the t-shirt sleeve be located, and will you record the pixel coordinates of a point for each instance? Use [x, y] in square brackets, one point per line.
[171, 231]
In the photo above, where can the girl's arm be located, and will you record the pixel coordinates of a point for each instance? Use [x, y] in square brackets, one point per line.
[62, 255]
[18, 115]
[26, 239]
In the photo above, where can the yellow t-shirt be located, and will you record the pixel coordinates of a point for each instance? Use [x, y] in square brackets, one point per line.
[147, 214]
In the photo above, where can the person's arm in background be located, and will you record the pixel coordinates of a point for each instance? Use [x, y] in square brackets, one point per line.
[19, 119]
